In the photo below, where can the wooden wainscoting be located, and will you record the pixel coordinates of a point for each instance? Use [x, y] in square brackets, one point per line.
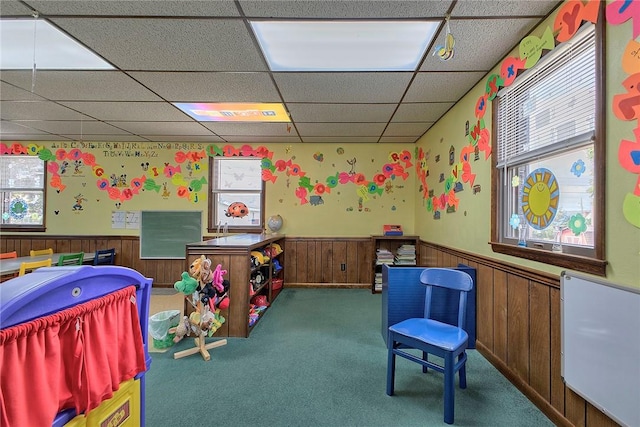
[330, 262]
[308, 261]
[164, 272]
[518, 331]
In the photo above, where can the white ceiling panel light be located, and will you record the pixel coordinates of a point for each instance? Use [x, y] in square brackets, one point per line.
[344, 45]
[54, 50]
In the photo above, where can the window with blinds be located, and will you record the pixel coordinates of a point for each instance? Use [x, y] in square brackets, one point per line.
[237, 195]
[545, 138]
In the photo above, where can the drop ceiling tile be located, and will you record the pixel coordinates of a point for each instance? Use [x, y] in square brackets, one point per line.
[342, 87]
[421, 111]
[345, 9]
[129, 111]
[339, 129]
[135, 8]
[503, 7]
[14, 8]
[210, 87]
[32, 137]
[183, 138]
[400, 139]
[81, 85]
[13, 93]
[340, 112]
[244, 129]
[256, 139]
[106, 138]
[168, 44]
[480, 44]
[162, 128]
[9, 128]
[339, 139]
[37, 110]
[441, 87]
[77, 126]
[406, 129]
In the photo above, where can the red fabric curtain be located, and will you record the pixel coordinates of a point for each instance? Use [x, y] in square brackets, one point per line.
[75, 358]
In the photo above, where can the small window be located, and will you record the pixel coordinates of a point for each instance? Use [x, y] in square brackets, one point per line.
[547, 183]
[22, 184]
[237, 198]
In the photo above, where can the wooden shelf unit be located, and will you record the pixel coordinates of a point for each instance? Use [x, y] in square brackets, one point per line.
[391, 243]
[233, 253]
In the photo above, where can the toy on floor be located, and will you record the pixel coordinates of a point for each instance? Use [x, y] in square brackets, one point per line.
[207, 292]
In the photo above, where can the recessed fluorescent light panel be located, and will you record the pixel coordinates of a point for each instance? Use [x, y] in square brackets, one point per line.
[344, 45]
[235, 112]
[54, 50]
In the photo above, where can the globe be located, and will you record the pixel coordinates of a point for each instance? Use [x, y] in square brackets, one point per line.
[274, 223]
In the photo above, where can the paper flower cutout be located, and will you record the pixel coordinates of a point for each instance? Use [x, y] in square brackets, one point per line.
[578, 168]
[578, 224]
[429, 204]
[515, 181]
[514, 222]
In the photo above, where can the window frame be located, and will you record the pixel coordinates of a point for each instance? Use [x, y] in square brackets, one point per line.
[212, 227]
[28, 227]
[597, 263]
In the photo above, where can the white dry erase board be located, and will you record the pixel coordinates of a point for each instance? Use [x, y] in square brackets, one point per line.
[165, 234]
[601, 345]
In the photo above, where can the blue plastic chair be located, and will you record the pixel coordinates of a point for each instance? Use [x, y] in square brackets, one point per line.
[433, 337]
[105, 257]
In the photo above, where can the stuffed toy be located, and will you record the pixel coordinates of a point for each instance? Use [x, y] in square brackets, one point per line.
[217, 278]
[194, 268]
[182, 330]
[205, 276]
[222, 297]
[187, 285]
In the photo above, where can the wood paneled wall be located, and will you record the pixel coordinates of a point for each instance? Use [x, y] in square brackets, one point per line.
[164, 272]
[518, 331]
[328, 261]
[518, 309]
[310, 261]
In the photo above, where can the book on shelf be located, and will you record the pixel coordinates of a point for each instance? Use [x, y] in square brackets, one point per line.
[406, 255]
[392, 230]
[384, 256]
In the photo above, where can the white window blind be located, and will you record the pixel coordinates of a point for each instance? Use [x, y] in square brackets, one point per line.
[550, 107]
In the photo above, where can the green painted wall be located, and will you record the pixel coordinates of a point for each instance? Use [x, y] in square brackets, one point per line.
[311, 186]
[469, 228]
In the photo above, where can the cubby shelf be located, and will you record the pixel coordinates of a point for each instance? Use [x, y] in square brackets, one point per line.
[393, 250]
[233, 253]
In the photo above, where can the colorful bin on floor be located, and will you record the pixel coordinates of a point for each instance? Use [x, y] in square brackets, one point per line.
[72, 302]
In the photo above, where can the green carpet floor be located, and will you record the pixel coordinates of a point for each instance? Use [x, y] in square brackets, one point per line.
[317, 358]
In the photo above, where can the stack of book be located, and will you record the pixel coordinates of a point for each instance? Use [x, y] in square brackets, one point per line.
[406, 255]
[383, 256]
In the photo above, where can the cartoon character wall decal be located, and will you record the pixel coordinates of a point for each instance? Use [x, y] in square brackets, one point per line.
[77, 167]
[237, 210]
[63, 167]
[352, 163]
[165, 192]
[79, 200]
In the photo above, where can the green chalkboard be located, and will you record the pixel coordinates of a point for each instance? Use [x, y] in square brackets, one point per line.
[164, 234]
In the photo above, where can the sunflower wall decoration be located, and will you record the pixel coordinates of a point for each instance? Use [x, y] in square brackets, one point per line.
[540, 197]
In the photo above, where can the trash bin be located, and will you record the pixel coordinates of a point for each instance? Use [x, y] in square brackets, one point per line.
[159, 325]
